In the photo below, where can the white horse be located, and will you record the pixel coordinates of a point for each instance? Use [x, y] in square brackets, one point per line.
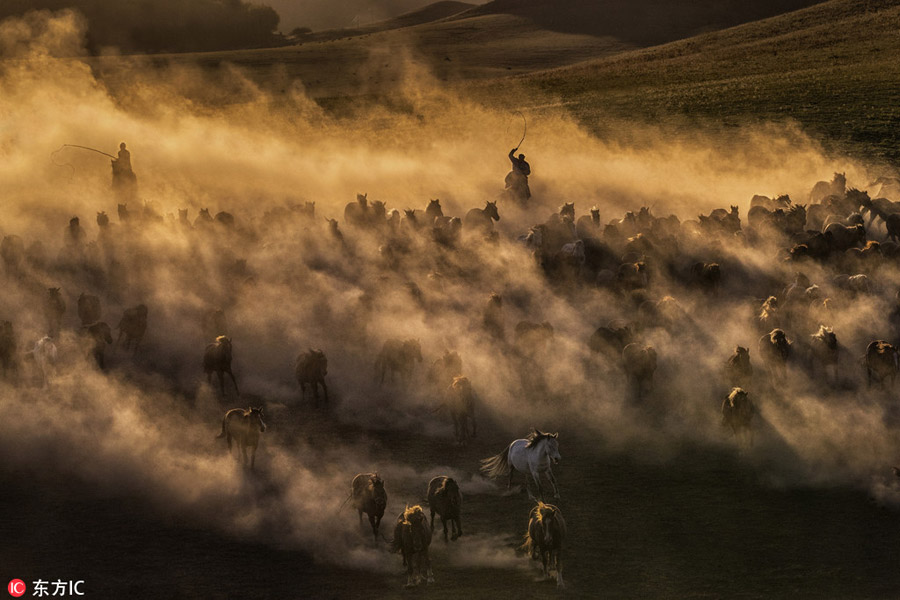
[531, 456]
[44, 355]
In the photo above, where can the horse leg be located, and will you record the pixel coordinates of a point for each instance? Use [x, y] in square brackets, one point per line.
[233, 380]
[374, 527]
[429, 574]
[324, 390]
[559, 576]
[553, 483]
[252, 456]
[243, 453]
[537, 481]
[360, 518]
[458, 524]
[315, 391]
[221, 378]
[545, 559]
[509, 478]
[444, 523]
[432, 519]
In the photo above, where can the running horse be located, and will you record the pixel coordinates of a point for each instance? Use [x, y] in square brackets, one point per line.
[546, 539]
[530, 456]
[411, 539]
[245, 427]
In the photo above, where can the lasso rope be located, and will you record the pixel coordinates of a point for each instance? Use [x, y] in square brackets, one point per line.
[71, 166]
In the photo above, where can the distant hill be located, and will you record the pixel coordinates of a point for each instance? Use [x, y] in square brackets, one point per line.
[833, 67]
[427, 14]
[639, 22]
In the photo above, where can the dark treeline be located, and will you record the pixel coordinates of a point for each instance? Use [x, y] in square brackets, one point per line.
[165, 25]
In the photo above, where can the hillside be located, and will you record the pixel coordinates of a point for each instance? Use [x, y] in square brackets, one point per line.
[642, 22]
[482, 42]
[834, 67]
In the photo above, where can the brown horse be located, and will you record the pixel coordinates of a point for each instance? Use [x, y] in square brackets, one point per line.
[461, 402]
[89, 310]
[882, 362]
[312, 367]
[738, 370]
[398, 356]
[217, 358]
[775, 350]
[482, 220]
[445, 499]
[737, 413]
[8, 348]
[412, 537]
[133, 325]
[546, 539]
[97, 336]
[245, 427]
[54, 309]
[639, 362]
[367, 495]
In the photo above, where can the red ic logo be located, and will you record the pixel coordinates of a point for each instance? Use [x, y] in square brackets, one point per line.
[16, 588]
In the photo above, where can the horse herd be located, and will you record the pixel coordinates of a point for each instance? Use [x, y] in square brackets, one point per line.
[546, 533]
[820, 258]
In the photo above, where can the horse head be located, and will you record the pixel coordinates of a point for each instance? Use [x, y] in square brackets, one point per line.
[256, 414]
[363, 199]
[491, 210]
[567, 210]
[434, 207]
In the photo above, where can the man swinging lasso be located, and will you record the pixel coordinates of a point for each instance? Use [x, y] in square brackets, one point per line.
[517, 179]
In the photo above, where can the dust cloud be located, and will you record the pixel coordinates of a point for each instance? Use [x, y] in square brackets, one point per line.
[286, 283]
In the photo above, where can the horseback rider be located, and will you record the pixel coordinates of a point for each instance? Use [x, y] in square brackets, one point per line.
[123, 163]
[517, 179]
[518, 163]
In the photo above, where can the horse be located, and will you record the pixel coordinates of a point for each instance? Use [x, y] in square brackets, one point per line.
[245, 427]
[836, 187]
[609, 340]
[737, 413]
[546, 538]
[461, 402]
[824, 350]
[738, 370]
[97, 336]
[445, 499]
[444, 369]
[775, 350]
[639, 362]
[367, 495]
[530, 456]
[411, 539]
[882, 362]
[482, 219]
[217, 358]
[133, 325]
[312, 367]
[398, 356]
[88, 309]
[588, 226]
[8, 347]
[54, 309]
[44, 355]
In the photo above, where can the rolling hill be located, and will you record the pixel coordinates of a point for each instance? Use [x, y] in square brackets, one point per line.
[834, 67]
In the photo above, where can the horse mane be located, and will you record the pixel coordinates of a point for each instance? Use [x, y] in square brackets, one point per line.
[411, 511]
[449, 485]
[535, 437]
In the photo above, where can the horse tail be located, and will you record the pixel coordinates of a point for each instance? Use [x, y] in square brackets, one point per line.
[496, 466]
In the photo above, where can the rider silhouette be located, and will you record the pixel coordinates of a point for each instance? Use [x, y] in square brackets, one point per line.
[517, 179]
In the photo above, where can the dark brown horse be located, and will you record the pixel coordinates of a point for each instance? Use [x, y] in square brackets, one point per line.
[89, 310]
[882, 363]
[482, 220]
[445, 499]
[312, 367]
[245, 427]
[367, 495]
[412, 537]
[97, 336]
[54, 309]
[398, 356]
[775, 351]
[546, 539]
[738, 370]
[461, 403]
[217, 358]
[737, 413]
[133, 325]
